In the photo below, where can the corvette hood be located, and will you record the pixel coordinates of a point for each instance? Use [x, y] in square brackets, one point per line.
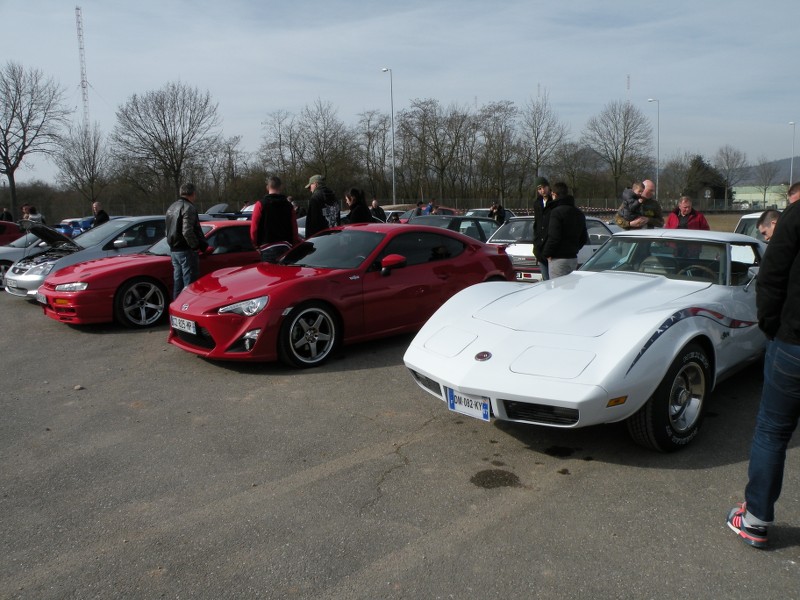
[101, 266]
[584, 304]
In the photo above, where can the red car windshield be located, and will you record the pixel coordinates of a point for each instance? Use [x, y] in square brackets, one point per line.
[334, 249]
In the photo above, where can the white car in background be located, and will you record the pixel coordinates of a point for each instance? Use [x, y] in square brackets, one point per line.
[517, 237]
[641, 333]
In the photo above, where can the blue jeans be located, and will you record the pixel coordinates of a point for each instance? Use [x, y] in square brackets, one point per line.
[185, 268]
[777, 419]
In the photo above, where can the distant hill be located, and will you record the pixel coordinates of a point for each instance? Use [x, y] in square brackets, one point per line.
[784, 166]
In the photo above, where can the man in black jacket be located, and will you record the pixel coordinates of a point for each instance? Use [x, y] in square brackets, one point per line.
[100, 216]
[565, 232]
[185, 239]
[323, 207]
[777, 298]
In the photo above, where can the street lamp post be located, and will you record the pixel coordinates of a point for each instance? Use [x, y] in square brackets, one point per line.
[391, 100]
[658, 139]
[791, 160]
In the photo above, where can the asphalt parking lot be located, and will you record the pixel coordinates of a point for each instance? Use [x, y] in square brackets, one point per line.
[131, 469]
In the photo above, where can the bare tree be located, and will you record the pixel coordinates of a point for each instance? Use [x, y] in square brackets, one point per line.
[765, 173]
[674, 178]
[498, 126]
[577, 166]
[327, 140]
[31, 117]
[167, 129]
[731, 164]
[542, 132]
[374, 139]
[84, 161]
[283, 148]
[621, 134]
[226, 166]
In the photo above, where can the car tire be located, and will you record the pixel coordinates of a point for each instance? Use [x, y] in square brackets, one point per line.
[671, 418]
[309, 335]
[141, 302]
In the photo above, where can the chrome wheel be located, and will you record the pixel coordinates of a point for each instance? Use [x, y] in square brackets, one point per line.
[309, 335]
[686, 397]
[141, 303]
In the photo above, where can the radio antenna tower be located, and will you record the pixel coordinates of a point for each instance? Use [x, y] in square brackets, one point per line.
[82, 54]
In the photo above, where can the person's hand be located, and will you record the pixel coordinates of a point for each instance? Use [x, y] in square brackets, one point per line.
[639, 222]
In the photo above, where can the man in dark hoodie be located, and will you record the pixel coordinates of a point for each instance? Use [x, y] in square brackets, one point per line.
[323, 207]
[274, 218]
[565, 234]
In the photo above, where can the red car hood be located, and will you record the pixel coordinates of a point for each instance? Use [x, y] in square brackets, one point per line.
[242, 283]
[102, 266]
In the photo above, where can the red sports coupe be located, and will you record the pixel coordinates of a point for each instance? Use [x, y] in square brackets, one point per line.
[344, 285]
[135, 289]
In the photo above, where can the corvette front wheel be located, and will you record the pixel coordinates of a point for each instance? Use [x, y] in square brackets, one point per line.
[308, 335]
[673, 415]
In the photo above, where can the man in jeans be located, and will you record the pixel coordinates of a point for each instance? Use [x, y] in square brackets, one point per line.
[777, 298]
[185, 239]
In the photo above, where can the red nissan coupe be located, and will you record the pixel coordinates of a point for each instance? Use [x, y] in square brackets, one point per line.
[344, 285]
[135, 289]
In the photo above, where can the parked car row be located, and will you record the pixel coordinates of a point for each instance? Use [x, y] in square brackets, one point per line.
[641, 333]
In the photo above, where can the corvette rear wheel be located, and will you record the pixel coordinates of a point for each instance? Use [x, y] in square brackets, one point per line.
[673, 415]
[308, 335]
[140, 303]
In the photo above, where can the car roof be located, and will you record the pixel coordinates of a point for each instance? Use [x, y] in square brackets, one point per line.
[448, 217]
[696, 234]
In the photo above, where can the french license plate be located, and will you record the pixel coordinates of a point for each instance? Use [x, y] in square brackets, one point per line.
[183, 324]
[40, 298]
[471, 406]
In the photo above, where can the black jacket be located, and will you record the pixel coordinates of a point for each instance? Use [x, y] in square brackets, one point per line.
[275, 220]
[539, 227]
[359, 213]
[100, 218]
[323, 210]
[566, 229]
[183, 227]
[778, 283]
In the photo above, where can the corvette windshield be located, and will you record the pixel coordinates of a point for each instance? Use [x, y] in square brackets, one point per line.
[672, 258]
[334, 249]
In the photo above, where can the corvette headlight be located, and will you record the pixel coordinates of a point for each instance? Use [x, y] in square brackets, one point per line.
[246, 308]
[42, 269]
[77, 286]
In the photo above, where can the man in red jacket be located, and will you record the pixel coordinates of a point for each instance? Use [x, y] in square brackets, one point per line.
[686, 217]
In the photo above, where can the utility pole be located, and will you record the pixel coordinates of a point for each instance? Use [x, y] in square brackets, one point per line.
[82, 55]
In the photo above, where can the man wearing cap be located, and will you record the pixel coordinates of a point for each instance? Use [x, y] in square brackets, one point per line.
[323, 207]
[539, 224]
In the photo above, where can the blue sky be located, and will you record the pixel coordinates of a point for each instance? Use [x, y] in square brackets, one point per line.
[723, 72]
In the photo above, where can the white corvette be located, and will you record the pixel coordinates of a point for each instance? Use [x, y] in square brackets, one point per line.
[643, 332]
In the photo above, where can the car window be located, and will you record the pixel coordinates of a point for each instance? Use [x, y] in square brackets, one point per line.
[598, 233]
[143, 234]
[675, 259]
[514, 232]
[747, 226]
[226, 240]
[334, 249]
[423, 247]
[488, 227]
